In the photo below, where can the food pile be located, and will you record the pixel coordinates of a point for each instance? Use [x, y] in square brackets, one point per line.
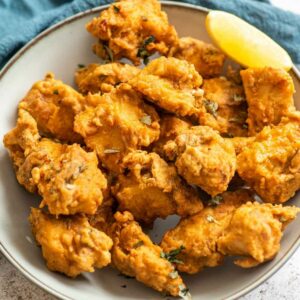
[132, 145]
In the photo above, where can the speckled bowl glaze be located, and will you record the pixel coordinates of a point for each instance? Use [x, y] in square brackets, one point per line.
[60, 49]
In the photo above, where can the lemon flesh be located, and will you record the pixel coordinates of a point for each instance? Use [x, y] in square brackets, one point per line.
[244, 43]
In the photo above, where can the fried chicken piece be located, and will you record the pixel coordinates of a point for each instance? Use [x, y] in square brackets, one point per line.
[103, 78]
[170, 127]
[203, 158]
[133, 29]
[255, 231]
[150, 188]
[241, 143]
[271, 164]
[122, 122]
[171, 84]
[226, 103]
[269, 93]
[69, 244]
[19, 141]
[53, 105]
[135, 255]
[198, 235]
[207, 59]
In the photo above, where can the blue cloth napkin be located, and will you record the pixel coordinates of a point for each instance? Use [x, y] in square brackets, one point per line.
[22, 20]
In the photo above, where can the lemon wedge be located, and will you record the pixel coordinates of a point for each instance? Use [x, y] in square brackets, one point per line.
[244, 43]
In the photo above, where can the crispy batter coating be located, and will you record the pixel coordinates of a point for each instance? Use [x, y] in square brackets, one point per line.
[199, 233]
[172, 84]
[150, 188]
[255, 231]
[170, 127]
[103, 78]
[70, 245]
[19, 142]
[269, 94]
[207, 59]
[226, 103]
[53, 105]
[122, 122]
[126, 26]
[241, 143]
[135, 255]
[203, 158]
[271, 164]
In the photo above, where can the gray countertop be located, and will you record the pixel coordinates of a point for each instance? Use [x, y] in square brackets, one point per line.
[285, 284]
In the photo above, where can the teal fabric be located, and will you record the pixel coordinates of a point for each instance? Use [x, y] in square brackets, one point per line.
[22, 20]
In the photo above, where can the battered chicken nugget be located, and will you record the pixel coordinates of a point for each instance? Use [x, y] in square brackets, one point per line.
[70, 245]
[198, 235]
[241, 143]
[226, 103]
[122, 122]
[203, 158]
[255, 232]
[103, 78]
[206, 58]
[133, 29]
[150, 188]
[19, 141]
[172, 84]
[170, 127]
[53, 105]
[271, 164]
[269, 94]
[135, 255]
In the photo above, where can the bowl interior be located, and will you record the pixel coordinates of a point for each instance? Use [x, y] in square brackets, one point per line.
[60, 51]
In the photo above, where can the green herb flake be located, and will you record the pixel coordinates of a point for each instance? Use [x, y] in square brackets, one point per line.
[173, 275]
[116, 9]
[183, 291]
[109, 53]
[81, 66]
[215, 201]
[238, 98]
[143, 52]
[138, 244]
[146, 119]
[211, 107]
[245, 126]
[171, 256]
[55, 92]
[111, 151]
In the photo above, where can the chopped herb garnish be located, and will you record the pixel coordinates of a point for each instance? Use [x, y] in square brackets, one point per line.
[55, 92]
[146, 120]
[211, 107]
[173, 275]
[80, 66]
[138, 244]
[109, 53]
[171, 256]
[183, 290]
[111, 151]
[238, 98]
[116, 9]
[210, 219]
[214, 201]
[143, 52]
[245, 126]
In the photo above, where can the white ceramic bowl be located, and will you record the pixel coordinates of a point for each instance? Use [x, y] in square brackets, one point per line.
[60, 49]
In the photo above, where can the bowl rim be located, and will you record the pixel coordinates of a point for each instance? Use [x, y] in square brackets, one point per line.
[31, 277]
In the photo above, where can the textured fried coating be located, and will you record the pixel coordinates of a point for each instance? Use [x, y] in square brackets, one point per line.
[241, 143]
[271, 164]
[133, 29]
[269, 93]
[171, 84]
[135, 255]
[53, 105]
[19, 142]
[122, 122]
[199, 233]
[203, 158]
[255, 231]
[170, 127]
[207, 59]
[150, 188]
[69, 244]
[226, 103]
[103, 78]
